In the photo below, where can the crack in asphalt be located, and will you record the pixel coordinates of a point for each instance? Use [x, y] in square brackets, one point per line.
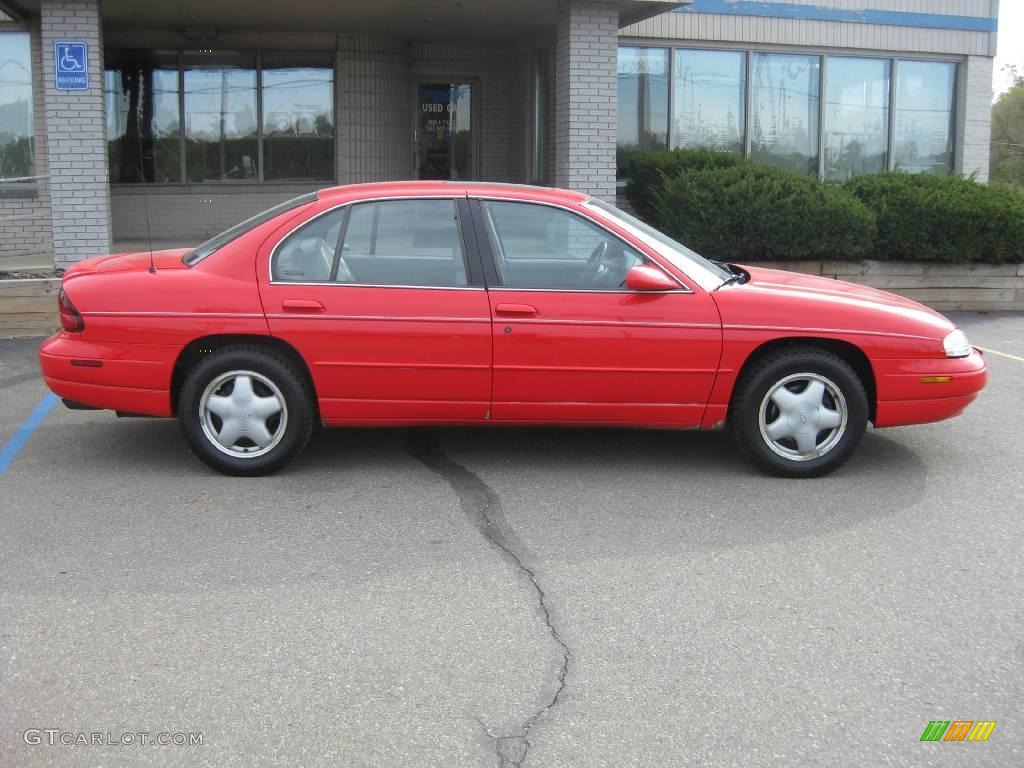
[482, 506]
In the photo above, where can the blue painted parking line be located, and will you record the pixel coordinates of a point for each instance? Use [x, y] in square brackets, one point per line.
[31, 424]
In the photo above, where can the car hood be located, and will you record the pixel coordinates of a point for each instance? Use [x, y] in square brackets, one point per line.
[856, 305]
[130, 262]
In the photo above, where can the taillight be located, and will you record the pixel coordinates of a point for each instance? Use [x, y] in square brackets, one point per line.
[70, 319]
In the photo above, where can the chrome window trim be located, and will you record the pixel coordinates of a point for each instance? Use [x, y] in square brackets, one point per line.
[381, 318]
[683, 288]
[383, 285]
[387, 198]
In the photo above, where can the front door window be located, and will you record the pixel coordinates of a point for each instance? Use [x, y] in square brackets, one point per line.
[444, 131]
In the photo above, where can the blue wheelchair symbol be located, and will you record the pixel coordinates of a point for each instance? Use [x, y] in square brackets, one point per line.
[71, 61]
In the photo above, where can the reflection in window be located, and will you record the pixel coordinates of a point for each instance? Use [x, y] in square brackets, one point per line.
[785, 111]
[143, 124]
[856, 116]
[643, 102]
[220, 117]
[298, 116]
[17, 150]
[923, 124]
[709, 99]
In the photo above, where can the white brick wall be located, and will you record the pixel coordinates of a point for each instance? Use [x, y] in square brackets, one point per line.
[182, 215]
[974, 126]
[373, 108]
[586, 96]
[75, 136]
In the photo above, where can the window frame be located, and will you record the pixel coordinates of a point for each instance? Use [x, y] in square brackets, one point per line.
[27, 186]
[495, 282]
[893, 57]
[470, 255]
[259, 180]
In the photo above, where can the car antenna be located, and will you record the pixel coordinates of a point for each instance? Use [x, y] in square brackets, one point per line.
[149, 233]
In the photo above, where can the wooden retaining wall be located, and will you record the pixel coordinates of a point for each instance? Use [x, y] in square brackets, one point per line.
[29, 307]
[945, 287]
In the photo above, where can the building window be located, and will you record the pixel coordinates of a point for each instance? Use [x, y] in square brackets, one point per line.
[709, 99]
[248, 116]
[837, 116]
[643, 102]
[784, 111]
[923, 116]
[221, 140]
[856, 117]
[143, 122]
[298, 116]
[17, 147]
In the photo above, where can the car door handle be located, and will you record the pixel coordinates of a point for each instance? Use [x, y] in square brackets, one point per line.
[301, 305]
[515, 309]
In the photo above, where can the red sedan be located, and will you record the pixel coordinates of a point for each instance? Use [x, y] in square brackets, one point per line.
[441, 303]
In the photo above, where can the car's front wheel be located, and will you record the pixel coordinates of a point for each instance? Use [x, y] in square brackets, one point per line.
[799, 412]
[245, 410]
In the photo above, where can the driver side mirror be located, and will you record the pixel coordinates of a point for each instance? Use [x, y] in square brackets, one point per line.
[647, 278]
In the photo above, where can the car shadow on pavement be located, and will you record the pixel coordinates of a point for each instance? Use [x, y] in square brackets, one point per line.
[157, 443]
[579, 478]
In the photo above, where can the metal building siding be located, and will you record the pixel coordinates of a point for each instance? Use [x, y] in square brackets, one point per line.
[780, 30]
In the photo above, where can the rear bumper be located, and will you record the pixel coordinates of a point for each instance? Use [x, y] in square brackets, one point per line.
[903, 398]
[120, 377]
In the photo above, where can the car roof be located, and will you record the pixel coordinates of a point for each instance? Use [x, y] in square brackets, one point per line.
[351, 192]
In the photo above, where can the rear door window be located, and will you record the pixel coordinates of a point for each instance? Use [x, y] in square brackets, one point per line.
[403, 242]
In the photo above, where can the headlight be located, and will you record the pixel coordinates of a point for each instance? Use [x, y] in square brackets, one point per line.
[956, 344]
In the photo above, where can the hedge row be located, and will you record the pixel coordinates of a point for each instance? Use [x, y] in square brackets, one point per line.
[728, 207]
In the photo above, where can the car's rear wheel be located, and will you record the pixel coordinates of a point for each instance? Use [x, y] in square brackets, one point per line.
[799, 412]
[245, 410]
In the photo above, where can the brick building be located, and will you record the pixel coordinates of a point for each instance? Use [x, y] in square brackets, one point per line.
[124, 123]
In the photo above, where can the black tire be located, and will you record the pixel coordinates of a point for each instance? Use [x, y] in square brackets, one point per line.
[297, 416]
[763, 376]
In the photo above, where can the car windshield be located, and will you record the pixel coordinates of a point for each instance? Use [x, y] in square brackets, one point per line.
[706, 273]
[216, 243]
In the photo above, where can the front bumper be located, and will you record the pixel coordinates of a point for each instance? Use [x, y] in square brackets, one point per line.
[903, 398]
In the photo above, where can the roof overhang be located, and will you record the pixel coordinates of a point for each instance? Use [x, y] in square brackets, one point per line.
[412, 19]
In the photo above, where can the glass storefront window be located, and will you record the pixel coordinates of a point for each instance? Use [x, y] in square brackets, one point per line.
[709, 99]
[298, 116]
[143, 120]
[923, 120]
[17, 148]
[228, 114]
[220, 117]
[643, 102]
[784, 111]
[856, 117]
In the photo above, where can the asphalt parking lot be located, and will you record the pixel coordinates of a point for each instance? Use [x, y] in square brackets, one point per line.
[474, 597]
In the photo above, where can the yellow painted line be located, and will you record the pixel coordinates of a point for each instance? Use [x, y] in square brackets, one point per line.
[1002, 354]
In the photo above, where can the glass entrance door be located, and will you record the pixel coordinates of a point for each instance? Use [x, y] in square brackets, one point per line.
[444, 131]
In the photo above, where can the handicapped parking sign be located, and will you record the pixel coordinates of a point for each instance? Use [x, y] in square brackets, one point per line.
[71, 59]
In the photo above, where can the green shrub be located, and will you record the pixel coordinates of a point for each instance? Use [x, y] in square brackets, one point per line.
[648, 170]
[942, 218]
[750, 212]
